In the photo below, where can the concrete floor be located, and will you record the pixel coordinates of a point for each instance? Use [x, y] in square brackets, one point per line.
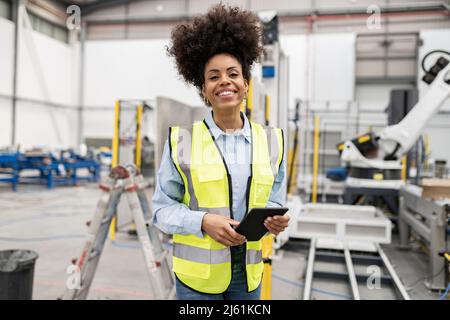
[52, 222]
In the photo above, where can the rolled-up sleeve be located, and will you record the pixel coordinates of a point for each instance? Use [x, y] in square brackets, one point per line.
[170, 215]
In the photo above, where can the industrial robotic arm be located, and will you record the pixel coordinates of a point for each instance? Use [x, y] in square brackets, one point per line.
[382, 150]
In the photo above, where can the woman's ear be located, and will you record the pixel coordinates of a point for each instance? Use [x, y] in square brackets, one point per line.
[203, 91]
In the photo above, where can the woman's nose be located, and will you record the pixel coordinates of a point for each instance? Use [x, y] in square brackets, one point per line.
[224, 80]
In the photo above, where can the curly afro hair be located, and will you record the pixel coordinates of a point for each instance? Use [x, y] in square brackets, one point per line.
[221, 30]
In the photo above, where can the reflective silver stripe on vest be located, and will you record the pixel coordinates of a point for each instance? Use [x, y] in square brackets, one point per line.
[254, 256]
[274, 149]
[200, 255]
[184, 159]
[225, 212]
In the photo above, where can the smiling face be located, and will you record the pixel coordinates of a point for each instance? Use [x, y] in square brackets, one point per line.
[225, 86]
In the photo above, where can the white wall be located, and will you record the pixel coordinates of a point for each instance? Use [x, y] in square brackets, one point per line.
[46, 72]
[128, 69]
[331, 76]
[6, 74]
[294, 46]
[6, 56]
[333, 73]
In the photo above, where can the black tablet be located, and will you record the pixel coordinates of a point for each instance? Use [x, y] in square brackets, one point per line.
[252, 226]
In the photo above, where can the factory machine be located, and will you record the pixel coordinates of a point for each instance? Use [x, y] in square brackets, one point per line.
[374, 159]
[53, 168]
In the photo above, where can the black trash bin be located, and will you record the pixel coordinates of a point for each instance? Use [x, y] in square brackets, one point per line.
[17, 274]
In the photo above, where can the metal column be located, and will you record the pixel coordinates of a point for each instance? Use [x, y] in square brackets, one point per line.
[81, 82]
[16, 15]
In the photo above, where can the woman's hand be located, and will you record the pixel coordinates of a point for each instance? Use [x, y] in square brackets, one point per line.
[277, 224]
[219, 228]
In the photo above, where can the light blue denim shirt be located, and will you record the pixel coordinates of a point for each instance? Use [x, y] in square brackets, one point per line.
[171, 216]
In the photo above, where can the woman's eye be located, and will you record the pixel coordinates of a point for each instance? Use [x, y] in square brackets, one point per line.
[234, 75]
[213, 78]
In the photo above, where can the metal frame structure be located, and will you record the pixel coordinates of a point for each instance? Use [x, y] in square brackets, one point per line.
[343, 229]
[381, 260]
[429, 220]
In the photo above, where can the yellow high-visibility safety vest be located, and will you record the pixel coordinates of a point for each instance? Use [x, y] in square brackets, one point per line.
[204, 264]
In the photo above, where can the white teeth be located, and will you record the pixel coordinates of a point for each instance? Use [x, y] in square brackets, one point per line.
[225, 93]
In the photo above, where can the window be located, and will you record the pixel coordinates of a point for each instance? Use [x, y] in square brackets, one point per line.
[48, 28]
[5, 9]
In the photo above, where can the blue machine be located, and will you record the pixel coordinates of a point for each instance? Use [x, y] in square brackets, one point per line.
[337, 174]
[9, 168]
[74, 162]
[54, 169]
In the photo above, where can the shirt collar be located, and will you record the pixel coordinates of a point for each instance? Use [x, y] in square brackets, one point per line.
[217, 132]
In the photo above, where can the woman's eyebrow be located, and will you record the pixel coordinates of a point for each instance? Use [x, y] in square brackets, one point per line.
[217, 70]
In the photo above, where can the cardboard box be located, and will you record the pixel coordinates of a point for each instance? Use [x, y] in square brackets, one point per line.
[436, 188]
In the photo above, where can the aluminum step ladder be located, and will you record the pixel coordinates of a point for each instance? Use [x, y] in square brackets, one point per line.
[123, 180]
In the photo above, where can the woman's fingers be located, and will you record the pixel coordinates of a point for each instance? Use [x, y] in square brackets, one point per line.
[236, 236]
[273, 228]
[276, 224]
[227, 240]
[230, 237]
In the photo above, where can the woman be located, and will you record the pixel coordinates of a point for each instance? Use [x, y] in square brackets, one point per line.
[213, 172]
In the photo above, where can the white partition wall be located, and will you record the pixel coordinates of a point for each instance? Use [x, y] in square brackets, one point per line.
[315, 73]
[46, 89]
[6, 75]
[333, 66]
